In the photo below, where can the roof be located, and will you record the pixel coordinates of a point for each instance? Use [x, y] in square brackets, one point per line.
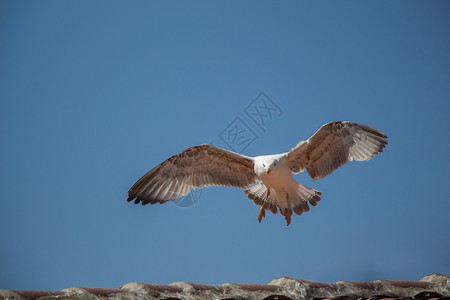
[433, 286]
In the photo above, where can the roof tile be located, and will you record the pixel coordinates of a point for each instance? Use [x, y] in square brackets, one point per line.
[257, 287]
[137, 286]
[36, 294]
[433, 286]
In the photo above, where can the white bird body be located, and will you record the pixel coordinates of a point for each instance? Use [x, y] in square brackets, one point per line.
[279, 179]
[282, 189]
[268, 179]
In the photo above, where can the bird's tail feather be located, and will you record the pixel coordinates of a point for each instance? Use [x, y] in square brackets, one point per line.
[298, 200]
[294, 200]
[258, 193]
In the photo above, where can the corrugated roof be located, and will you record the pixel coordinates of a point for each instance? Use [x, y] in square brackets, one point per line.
[433, 286]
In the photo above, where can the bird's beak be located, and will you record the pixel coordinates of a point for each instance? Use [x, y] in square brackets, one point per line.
[268, 171]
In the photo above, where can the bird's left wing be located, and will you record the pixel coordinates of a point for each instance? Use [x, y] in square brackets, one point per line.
[195, 167]
[334, 145]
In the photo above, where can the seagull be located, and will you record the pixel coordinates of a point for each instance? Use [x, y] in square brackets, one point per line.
[268, 179]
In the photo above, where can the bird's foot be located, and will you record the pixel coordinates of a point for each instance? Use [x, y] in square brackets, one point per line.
[289, 211]
[262, 214]
[288, 219]
[262, 211]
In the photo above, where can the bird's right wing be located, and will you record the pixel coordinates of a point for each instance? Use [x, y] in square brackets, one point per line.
[194, 168]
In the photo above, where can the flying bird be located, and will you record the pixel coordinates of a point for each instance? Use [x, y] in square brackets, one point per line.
[267, 179]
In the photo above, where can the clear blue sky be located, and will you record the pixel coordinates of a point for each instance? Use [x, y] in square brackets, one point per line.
[95, 94]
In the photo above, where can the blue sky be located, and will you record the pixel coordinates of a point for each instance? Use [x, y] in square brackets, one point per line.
[95, 94]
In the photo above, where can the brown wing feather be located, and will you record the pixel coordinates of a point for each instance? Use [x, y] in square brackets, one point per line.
[333, 145]
[195, 167]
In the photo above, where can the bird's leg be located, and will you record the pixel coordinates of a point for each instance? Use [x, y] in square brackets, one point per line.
[262, 214]
[289, 211]
[262, 211]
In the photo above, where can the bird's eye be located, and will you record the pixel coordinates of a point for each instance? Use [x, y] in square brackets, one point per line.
[274, 164]
[264, 165]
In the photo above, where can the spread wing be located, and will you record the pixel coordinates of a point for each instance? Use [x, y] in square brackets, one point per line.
[194, 168]
[334, 145]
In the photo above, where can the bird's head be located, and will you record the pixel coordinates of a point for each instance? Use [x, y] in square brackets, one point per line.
[269, 165]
